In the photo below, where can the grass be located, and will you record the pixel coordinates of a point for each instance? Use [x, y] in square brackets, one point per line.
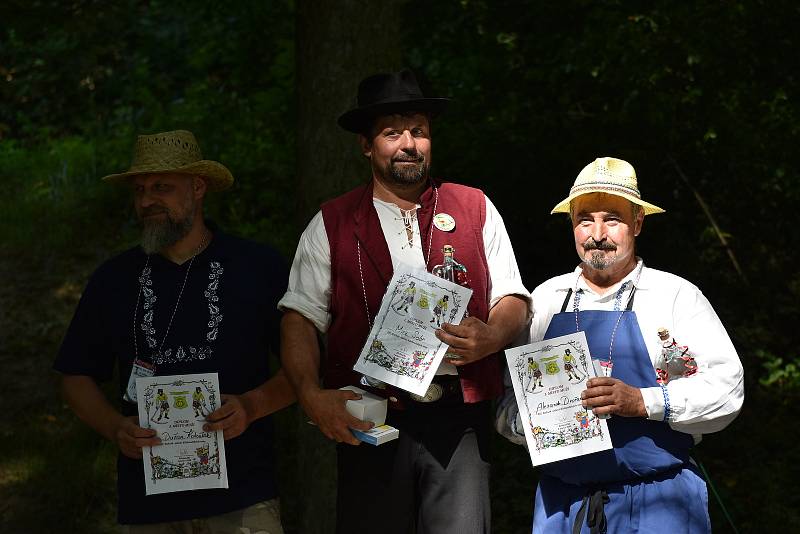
[54, 472]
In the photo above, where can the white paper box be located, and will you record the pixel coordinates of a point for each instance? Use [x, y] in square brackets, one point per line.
[369, 408]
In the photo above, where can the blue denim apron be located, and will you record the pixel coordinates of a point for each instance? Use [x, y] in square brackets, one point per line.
[646, 483]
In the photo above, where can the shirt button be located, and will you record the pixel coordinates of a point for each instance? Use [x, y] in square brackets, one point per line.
[393, 399]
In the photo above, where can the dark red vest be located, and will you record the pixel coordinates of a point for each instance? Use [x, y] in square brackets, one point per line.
[351, 219]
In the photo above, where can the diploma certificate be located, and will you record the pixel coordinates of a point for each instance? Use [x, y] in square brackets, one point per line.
[402, 348]
[548, 378]
[189, 457]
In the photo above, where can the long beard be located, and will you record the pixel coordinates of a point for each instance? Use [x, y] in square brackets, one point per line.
[160, 234]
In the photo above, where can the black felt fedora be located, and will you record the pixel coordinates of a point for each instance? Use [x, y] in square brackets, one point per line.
[388, 93]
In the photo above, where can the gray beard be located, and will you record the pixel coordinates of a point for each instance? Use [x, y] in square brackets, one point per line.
[156, 236]
[598, 261]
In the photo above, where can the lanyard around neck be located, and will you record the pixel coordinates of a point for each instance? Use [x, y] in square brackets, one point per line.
[617, 304]
[426, 258]
[144, 280]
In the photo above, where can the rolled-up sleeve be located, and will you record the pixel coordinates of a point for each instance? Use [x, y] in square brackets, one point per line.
[309, 289]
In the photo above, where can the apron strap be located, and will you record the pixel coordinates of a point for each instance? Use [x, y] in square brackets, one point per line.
[629, 307]
[566, 301]
[596, 519]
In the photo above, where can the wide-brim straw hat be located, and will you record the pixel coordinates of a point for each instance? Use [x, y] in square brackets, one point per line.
[382, 94]
[607, 175]
[173, 152]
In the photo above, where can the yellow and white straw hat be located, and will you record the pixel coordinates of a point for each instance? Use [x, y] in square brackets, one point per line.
[173, 152]
[607, 175]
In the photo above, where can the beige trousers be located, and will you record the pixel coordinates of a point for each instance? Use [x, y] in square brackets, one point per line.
[261, 518]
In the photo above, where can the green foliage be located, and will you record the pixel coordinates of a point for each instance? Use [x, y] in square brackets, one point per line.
[55, 193]
[781, 372]
[541, 89]
[78, 82]
[73, 101]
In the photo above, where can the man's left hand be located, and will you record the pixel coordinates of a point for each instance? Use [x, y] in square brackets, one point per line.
[232, 417]
[613, 396]
[469, 341]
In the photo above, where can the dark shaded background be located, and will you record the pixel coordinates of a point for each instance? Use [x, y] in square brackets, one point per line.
[700, 97]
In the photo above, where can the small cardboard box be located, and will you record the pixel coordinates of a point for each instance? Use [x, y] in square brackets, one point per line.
[369, 408]
[377, 435]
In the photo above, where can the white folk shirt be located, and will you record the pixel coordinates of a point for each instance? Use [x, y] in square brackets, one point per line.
[699, 404]
[309, 290]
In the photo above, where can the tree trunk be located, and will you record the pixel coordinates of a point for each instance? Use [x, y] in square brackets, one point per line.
[338, 44]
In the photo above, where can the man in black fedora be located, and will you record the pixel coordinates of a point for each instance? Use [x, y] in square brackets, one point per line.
[188, 299]
[434, 478]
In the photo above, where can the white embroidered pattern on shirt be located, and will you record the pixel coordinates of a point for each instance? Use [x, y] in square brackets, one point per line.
[190, 353]
[215, 317]
[149, 305]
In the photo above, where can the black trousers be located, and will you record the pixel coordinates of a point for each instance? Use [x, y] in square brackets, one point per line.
[433, 479]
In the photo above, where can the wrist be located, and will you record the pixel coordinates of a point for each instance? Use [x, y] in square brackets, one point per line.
[112, 430]
[306, 393]
[252, 403]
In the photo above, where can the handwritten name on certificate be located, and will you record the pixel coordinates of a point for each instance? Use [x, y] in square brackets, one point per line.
[548, 378]
[402, 348]
[188, 458]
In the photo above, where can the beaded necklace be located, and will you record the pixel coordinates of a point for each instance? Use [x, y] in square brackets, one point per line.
[617, 307]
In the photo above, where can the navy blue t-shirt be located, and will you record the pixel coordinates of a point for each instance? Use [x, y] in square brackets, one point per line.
[227, 321]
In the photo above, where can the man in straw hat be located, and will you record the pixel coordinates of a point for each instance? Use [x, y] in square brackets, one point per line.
[189, 299]
[647, 482]
[434, 478]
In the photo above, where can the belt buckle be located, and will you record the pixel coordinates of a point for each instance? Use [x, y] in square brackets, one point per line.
[434, 393]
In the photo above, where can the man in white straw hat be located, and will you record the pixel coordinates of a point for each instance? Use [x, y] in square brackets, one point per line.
[187, 300]
[435, 476]
[647, 482]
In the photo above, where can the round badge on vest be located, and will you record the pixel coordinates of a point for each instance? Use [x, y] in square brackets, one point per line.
[444, 222]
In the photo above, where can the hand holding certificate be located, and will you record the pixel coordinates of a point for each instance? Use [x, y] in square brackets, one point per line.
[402, 348]
[188, 457]
[548, 378]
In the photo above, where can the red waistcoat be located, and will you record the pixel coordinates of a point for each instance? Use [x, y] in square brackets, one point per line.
[351, 219]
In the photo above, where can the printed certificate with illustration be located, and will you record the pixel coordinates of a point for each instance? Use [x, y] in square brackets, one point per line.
[188, 458]
[402, 348]
[548, 378]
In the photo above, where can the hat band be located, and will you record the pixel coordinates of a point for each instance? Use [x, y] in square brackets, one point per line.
[605, 186]
[392, 98]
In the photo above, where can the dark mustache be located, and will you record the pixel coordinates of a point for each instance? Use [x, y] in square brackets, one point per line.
[410, 159]
[153, 210]
[591, 244]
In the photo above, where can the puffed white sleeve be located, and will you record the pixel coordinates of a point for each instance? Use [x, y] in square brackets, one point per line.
[508, 421]
[309, 289]
[503, 270]
[711, 398]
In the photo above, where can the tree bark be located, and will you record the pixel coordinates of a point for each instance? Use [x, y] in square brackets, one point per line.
[338, 43]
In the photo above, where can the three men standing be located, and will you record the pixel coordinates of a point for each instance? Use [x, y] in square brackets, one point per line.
[193, 300]
[434, 478]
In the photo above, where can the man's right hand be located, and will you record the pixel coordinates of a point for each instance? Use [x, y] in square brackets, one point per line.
[130, 437]
[326, 409]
